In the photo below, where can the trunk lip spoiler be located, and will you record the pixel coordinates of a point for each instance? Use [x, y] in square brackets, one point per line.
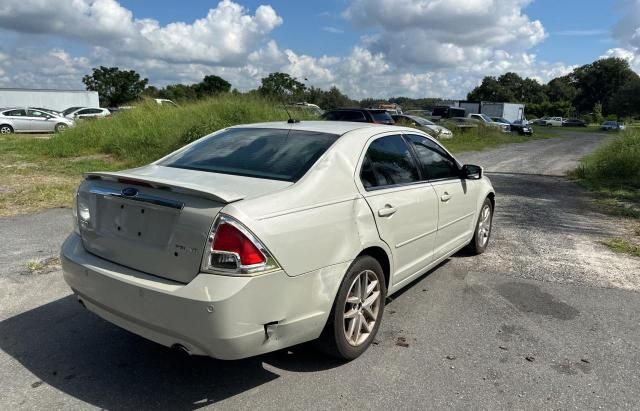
[139, 197]
[186, 188]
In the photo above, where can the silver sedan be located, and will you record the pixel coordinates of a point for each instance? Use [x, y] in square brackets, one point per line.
[28, 120]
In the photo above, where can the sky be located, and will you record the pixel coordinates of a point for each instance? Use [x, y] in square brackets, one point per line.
[367, 48]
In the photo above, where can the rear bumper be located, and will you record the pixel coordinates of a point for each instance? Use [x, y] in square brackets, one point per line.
[219, 316]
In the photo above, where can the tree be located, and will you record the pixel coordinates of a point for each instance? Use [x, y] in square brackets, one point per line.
[599, 81]
[490, 90]
[597, 113]
[280, 85]
[115, 86]
[212, 85]
[626, 102]
[561, 89]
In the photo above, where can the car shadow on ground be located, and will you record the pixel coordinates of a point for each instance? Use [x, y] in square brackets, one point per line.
[78, 353]
[90, 359]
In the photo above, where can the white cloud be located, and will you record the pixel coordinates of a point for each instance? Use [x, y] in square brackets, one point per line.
[412, 48]
[444, 33]
[331, 29]
[225, 36]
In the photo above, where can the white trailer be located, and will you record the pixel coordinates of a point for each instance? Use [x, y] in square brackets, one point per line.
[51, 99]
[510, 111]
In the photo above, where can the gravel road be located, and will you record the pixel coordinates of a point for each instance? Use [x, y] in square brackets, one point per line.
[547, 318]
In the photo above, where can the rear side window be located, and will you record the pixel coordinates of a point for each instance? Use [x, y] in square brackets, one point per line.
[273, 154]
[345, 115]
[435, 162]
[388, 162]
[382, 117]
[15, 113]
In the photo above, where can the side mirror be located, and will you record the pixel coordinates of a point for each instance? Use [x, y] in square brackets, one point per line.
[471, 172]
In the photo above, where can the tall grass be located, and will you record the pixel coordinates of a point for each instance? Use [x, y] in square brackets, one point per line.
[617, 162]
[149, 131]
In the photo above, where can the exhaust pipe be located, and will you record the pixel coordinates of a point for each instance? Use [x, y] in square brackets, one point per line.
[181, 349]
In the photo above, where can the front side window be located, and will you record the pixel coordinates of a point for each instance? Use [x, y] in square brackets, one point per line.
[388, 162]
[435, 162]
[274, 154]
[36, 113]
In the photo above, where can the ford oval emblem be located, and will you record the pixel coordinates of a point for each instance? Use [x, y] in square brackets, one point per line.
[129, 192]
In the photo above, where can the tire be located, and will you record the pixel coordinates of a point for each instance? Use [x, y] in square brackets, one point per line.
[6, 129]
[335, 339]
[482, 232]
[61, 127]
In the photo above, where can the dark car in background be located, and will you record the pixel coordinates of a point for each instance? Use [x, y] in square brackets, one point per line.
[359, 115]
[612, 125]
[573, 122]
[517, 126]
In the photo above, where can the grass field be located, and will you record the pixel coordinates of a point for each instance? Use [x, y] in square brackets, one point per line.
[37, 173]
[613, 173]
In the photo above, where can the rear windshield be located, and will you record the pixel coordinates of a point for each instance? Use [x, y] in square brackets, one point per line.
[273, 154]
[345, 115]
[382, 117]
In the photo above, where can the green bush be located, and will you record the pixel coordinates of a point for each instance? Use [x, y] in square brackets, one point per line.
[149, 131]
[615, 162]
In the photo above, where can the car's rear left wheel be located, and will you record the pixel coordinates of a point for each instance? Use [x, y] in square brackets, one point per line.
[357, 310]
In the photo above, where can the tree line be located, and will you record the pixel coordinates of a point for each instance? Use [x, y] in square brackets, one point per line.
[606, 87]
[603, 88]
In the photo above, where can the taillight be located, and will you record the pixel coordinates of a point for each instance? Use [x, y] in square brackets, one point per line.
[229, 239]
[233, 249]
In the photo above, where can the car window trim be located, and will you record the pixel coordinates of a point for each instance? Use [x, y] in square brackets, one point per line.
[417, 165]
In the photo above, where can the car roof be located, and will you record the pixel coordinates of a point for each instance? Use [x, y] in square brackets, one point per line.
[330, 127]
[357, 109]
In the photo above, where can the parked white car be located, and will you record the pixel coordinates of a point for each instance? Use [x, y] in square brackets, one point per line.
[553, 122]
[488, 121]
[28, 120]
[80, 113]
[263, 236]
[165, 102]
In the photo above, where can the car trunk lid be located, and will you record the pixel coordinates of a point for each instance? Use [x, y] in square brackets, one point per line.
[156, 220]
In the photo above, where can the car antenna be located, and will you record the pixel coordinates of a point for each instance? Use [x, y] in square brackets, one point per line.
[291, 119]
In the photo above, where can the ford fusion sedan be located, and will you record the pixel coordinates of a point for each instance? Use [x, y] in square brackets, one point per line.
[29, 120]
[263, 236]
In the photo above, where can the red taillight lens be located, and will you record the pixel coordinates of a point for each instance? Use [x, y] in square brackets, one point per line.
[229, 239]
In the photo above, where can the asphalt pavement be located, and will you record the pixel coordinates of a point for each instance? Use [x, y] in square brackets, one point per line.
[545, 319]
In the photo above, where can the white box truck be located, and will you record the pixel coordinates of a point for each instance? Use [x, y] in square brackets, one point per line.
[52, 99]
[510, 111]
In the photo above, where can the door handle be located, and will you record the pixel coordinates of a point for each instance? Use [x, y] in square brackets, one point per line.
[445, 197]
[387, 211]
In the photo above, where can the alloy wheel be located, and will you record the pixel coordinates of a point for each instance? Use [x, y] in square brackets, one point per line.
[5, 130]
[361, 307]
[484, 226]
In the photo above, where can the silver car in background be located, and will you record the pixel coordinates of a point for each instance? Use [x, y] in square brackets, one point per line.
[79, 113]
[30, 120]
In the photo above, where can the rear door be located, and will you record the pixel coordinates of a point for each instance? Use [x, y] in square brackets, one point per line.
[19, 119]
[455, 195]
[404, 206]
